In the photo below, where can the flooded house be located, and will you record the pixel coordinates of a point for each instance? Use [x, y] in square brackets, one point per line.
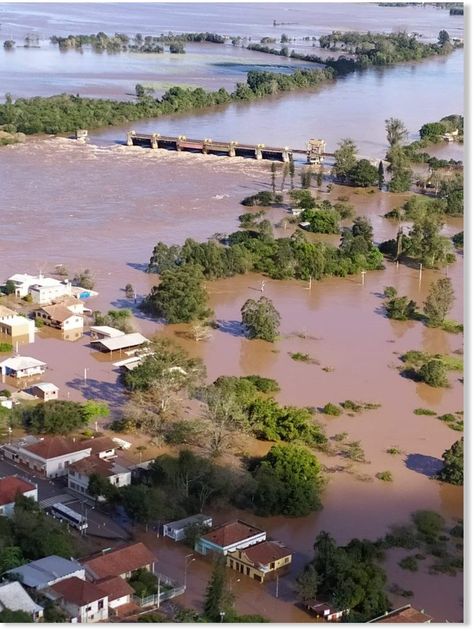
[176, 530]
[45, 391]
[229, 537]
[13, 325]
[43, 290]
[19, 367]
[406, 614]
[59, 317]
[261, 561]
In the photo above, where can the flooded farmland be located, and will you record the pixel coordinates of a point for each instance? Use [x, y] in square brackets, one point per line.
[103, 206]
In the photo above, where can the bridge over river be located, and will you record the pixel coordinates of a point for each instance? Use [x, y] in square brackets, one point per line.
[315, 149]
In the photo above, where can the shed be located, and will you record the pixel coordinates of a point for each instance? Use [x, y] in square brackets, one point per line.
[121, 343]
[45, 390]
[177, 529]
[101, 332]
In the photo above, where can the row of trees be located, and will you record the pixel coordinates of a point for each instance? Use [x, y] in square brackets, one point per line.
[57, 417]
[281, 258]
[65, 113]
[120, 42]
[181, 295]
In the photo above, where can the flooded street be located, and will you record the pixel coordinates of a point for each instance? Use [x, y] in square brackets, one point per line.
[103, 206]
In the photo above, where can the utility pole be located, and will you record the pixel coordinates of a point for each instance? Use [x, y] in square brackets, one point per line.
[277, 585]
[187, 561]
[363, 273]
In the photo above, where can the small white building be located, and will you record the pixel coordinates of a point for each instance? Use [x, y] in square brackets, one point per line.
[177, 529]
[12, 486]
[45, 391]
[15, 598]
[85, 602]
[19, 367]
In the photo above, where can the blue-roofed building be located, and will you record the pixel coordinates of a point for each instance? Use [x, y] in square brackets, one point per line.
[47, 571]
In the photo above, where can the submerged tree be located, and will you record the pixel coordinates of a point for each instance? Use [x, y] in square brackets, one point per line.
[261, 319]
[439, 301]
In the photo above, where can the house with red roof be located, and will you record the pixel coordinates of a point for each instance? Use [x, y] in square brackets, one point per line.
[121, 562]
[83, 601]
[12, 486]
[231, 536]
[49, 456]
[260, 561]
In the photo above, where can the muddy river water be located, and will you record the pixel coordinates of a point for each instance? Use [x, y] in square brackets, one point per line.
[103, 206]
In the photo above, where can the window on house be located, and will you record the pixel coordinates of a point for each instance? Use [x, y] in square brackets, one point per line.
[89, 608]
[100, 604]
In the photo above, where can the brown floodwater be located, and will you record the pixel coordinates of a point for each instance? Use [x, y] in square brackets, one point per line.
[105, 208]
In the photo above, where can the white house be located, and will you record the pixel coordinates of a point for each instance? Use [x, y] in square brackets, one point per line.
[43, 290]
[20, 367]
[60, 317]
[231, 536]
[10, 488]
[14, 597]
[79, 473]
[85, 602]
[49, 456]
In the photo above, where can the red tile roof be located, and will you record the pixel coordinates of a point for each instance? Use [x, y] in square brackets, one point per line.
[102, 443]
[53, 447]
[79, 592]
[116, 587]
[266, 552]
[92, 464]
[11, 486]
[120, 561]
[406, 614]
[231, 532]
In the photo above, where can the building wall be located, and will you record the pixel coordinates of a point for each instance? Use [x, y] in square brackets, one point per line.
[118, 602]
[45, 396]
[238, 562]
[56, 467]
[45, 295]
[88, 613]
[80, 482]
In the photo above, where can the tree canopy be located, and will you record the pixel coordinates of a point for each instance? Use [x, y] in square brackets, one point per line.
[453, 464]
[261, 319]
[180, 296]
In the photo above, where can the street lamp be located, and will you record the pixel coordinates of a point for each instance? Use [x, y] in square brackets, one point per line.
[222, 614]
[189, 558]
